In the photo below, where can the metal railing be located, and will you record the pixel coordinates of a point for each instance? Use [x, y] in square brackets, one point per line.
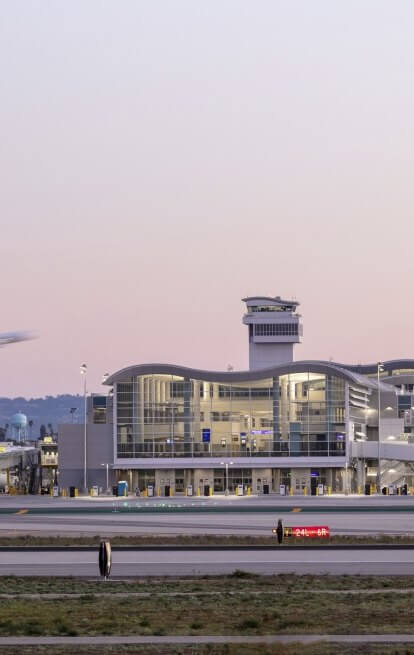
[173, 450]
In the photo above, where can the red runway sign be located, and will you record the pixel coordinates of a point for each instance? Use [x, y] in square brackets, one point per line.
[311, 531]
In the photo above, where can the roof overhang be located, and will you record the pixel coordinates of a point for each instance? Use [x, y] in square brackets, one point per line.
[228, 377]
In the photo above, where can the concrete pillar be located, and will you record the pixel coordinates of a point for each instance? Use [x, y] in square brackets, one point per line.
[329, 478]
[328, 400]
[346, 480]
[187, 416]
[262, 475]
[163, 478]
[298, 477]
[138, 412]
[360, 474]
[276, 415]
[276, 480]
[203, 477]
[189, 478]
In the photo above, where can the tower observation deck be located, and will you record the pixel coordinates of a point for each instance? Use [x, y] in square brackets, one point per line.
[274, 328]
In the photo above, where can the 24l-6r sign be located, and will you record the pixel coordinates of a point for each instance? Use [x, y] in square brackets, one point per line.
[321, 531]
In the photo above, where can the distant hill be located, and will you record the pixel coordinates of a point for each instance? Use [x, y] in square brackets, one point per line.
[52, 409]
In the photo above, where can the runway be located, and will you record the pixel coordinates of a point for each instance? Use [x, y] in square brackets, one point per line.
[218, 515]
[207, 562]
[200, 523]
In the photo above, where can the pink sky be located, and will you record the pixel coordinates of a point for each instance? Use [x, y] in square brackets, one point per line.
[162, 159]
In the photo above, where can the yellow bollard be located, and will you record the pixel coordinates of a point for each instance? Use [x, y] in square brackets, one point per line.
[290, 491]
[211, 491]
[329, 491]
[198, 491]
[249, 491]
[305, 491]
[359, 491]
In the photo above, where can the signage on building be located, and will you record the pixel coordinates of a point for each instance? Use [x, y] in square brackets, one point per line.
[261, 432]
[206, 435]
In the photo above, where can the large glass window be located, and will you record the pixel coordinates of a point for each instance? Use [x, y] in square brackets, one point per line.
[99, 409]
[300, 414]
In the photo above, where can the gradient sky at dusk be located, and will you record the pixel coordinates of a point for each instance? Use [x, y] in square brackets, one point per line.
[161, 159]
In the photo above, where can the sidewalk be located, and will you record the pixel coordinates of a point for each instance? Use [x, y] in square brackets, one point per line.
[205, 639]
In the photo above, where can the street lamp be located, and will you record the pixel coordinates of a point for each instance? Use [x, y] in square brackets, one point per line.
[226, 464]
[84, 370]
[105, 377]
[380, 369]
[107, 477]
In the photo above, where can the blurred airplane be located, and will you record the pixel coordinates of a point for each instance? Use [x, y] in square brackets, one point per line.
[14, 337]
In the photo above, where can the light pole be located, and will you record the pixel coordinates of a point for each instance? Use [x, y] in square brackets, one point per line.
[107, 477]
[380, 368]
[226, 464]
[84, 370]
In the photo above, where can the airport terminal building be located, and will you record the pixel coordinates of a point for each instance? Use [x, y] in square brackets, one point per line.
[282, 425]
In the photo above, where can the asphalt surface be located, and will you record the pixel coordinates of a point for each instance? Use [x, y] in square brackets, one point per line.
[217, 515]
[218, 501]
[358, 523]
[208, 562]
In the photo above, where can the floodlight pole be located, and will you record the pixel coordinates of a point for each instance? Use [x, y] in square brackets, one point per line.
[84, 370]
[380, 368]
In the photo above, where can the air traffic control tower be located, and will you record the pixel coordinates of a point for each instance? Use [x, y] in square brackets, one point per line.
[274, 328]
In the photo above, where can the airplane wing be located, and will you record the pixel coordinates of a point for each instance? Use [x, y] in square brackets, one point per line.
[14, 337]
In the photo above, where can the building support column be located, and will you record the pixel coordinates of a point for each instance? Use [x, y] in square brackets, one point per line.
[276, 416]
[361, 474]
[187, 416]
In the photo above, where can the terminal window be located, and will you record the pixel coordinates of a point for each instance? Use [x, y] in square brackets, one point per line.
[99, 409]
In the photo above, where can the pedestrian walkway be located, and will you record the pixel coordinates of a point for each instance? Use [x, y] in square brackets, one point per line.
[206, 639]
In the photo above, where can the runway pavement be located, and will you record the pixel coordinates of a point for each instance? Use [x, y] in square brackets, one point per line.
[357, 523]
[216, 502]
[217, 515]
[208, 562]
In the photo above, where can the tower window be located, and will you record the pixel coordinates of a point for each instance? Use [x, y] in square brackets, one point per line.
[276, 330]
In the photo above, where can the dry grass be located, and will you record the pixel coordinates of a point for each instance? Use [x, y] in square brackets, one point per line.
[211, 649]
[226, 614]
[200, 540]
[239, 581]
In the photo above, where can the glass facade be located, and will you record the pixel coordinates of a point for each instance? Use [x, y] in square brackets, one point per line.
[299, 414]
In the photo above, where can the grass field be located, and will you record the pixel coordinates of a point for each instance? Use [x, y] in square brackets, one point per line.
[238, 582]
[238, 604]
[211, 649]
[201, 540]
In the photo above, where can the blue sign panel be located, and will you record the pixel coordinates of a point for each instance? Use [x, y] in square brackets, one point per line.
[206, 435]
